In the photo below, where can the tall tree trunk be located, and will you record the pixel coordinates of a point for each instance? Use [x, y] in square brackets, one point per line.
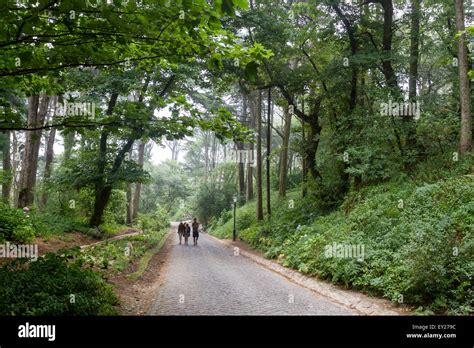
[312, 142]
[284, 153]
[249, 192]
[49, 154]
[6, 160]
[48, 163]
[414, 48]
[102, 192]
[15, 167]
[174, 147]
[213, 152]
[304, 161]
[240, 148]
[101, 199]
[314, 135]
[37, 109]
[312, 148]
[102, 196]
[413, 78]
[290, 164]
[135, 203]
[206, 155]
[130, 204]
[269, 149]
[259, 156]
[129, 196]
[250, 164]
[138, 185]
[387, 67]
[69, 140]
[465, 142]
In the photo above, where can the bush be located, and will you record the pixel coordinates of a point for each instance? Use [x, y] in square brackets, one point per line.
[49, 223]
[116, 209]
[15, 225]
[161, 218]
[145, 222]
[48, 285]
[24, 234]
[153, 222]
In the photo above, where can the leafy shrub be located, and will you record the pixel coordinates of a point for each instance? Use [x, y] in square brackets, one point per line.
[161, 218]
[244, 220]
[116, 209]
[153, 222]
[48, 285]
[24, 233]
[145, 222]
[225, 216]
[50, 223]
[106, 230]
[15, 225]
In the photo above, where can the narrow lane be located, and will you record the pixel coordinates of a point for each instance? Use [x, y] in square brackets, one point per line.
[209, 279]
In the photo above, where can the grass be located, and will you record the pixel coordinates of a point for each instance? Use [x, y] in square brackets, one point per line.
[116, 256]
[146, 258]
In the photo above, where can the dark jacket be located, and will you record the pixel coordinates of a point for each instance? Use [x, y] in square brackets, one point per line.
[187, 231]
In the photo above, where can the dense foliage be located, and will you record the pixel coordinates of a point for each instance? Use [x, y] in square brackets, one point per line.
[54, 285]
[15, 225]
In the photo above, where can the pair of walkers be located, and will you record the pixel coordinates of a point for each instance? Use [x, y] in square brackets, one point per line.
[184, 230]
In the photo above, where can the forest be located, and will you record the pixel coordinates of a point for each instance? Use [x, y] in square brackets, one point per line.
[305, 129]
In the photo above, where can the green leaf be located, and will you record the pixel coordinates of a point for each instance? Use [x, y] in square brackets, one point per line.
[243, 4]
[251, 70]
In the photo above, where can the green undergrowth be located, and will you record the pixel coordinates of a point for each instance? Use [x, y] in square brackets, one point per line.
[74, 282]
[416, 240]
[56, 284]
[117, 255]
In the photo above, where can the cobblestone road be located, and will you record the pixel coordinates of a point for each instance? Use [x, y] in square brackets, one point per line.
[209, 279]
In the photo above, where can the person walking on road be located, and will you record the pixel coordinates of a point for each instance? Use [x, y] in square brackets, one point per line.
[180, 231]
[195, 225]
[187, 233]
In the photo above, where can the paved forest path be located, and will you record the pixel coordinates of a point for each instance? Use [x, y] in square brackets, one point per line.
[209, 279]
